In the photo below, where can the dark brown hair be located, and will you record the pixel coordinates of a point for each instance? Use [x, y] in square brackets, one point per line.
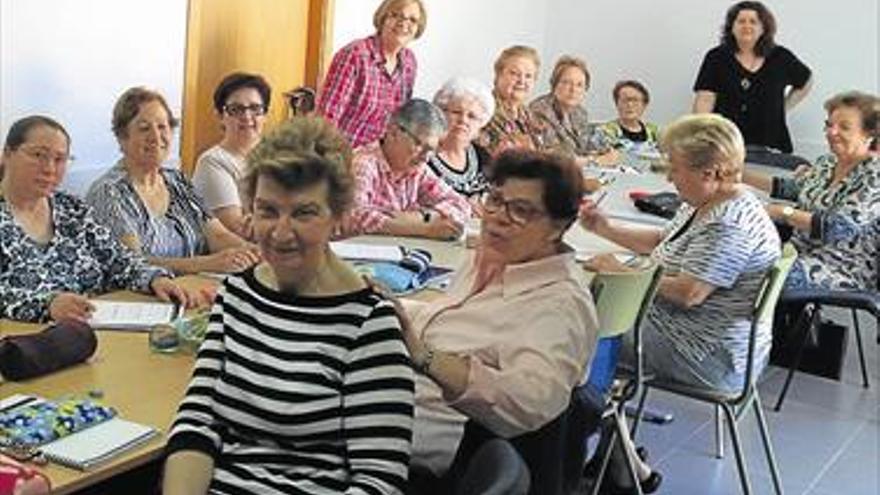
[562, 178]
[19, 130]
[868, 106]
[239, 80]
[768, 23]
[629, 83]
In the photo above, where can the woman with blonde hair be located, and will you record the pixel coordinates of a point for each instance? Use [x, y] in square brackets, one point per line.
[513, 125]
[372, 77]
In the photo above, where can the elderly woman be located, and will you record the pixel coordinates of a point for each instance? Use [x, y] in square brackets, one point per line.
[513, 125]
[153, 209]
[506, 344]
[836, 216]
[372, 77]
[751, 80]
[468, 105]
[396, 193]
[631, 99]
[241, 101]
[303, 384]
[715, 253]
[566, 126]
[53, 252]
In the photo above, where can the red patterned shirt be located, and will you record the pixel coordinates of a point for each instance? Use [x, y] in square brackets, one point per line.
[381, 192]
[359, 95]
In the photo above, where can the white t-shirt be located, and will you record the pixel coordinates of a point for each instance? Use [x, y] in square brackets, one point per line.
[216, 178]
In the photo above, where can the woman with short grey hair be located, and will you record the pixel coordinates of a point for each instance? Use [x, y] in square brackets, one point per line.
[396, 194]
[468, 105]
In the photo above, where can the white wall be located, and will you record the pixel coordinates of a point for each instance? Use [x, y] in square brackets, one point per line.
[71, 59]
[463, 37]
[658, 42]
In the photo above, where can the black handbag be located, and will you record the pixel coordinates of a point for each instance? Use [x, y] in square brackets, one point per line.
[56, 347]
[664, 204]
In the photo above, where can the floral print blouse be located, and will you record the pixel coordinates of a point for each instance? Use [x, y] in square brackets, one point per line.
[82, 257]
[842, 249]
[511, 128]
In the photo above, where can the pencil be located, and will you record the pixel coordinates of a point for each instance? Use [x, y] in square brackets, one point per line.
[600, 198]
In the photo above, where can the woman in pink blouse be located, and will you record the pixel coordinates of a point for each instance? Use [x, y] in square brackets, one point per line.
[510, 339]
[371, 77]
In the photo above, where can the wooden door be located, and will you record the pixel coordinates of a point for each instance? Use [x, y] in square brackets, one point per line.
[283, 40]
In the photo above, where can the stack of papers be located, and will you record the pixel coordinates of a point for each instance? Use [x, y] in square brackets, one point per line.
[117, 315]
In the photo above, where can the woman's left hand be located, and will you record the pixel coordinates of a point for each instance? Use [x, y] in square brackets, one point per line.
[413, 343]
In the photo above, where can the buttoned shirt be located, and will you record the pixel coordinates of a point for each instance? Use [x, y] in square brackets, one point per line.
[528, 337]
[381, 192]
[359, 95]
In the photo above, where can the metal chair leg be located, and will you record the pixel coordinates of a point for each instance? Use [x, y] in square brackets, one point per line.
[768, 445]
[737, 450]
[606, 457]
[630, 462]
[639, 410]
[855, 318]
[805, 330]
[719, 433]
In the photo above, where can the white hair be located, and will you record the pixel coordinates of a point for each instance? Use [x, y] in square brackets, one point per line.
[459, 88]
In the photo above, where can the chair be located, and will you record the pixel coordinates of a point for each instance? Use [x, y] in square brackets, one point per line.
[812, 300]
[495, 469]
[622, 301]
[735, 404]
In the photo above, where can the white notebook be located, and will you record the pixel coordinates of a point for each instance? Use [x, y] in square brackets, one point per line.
[97, 444]
[132, 315]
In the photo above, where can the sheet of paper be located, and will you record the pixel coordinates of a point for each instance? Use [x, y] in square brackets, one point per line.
[372, 252]
[131, 315]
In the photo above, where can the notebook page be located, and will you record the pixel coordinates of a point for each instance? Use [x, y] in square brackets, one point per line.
[97, 444]
[131, 315]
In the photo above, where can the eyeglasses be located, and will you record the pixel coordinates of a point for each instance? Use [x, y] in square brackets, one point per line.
[519, 211]
[421, 146]
[633, 99]
[238, 110]
[398, 17]
[45, 155]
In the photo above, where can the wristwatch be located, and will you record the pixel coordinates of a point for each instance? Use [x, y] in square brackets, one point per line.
[787, 213]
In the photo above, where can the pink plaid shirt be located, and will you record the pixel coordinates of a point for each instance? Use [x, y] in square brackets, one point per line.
[359, 95]
[381, 192]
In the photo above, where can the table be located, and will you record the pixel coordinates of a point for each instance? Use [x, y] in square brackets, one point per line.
[143, 386]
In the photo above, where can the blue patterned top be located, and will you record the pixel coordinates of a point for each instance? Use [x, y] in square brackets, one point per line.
[730, 247]
[82, 257]
[179, 233]
[843, 247]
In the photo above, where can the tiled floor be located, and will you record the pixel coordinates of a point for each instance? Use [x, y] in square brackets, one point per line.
[826, 436]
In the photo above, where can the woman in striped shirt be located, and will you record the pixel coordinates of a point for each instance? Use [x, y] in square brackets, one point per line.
[303, 384]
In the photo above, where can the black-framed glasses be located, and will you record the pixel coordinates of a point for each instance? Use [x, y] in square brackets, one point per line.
[423, 147]
[45, 155]
[238, 110]
[519, 211]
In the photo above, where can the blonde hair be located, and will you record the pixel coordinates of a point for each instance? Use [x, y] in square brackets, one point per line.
[516, 51]
[302, 152]
[706, 141]
[388, 6]
[567, 62]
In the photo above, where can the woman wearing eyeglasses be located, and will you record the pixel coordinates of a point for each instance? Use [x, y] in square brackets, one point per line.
[52, 249]
[370, 78]
[241, 101]
[506, 344]
[397, 194]
[153, 209]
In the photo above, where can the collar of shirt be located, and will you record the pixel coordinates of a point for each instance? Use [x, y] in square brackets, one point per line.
[374, 48]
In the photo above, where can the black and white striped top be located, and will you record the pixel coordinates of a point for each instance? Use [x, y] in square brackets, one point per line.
[730, 247]
[305, 395]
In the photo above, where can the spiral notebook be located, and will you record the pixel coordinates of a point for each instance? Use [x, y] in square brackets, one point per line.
[98, 444]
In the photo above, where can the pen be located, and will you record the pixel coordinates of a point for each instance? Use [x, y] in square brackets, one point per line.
[600, 198]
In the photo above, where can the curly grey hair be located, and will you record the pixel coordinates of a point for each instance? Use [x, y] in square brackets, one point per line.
[460, 88]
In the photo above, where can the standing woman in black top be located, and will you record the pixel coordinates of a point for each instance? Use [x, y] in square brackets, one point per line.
[750, 79]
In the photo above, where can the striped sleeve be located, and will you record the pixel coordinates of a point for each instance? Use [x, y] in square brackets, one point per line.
[377, 406]
[719, 254]
[193, 429]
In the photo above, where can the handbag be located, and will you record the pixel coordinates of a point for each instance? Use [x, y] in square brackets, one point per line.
[56, 347]
[664, 204]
